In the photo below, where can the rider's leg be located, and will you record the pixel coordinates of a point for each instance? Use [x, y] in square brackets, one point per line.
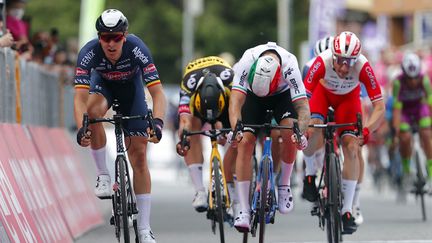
[351, 170]
[141, 179]
[228, 162]
[243, 172]
[405, 149]
[356, 201]
[425, 136]
[97, 106]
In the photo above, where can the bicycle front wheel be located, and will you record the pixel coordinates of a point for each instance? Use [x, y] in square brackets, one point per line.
[219, 202]
[264, 197]
[123, 198]
[333, 203]
[419, 186]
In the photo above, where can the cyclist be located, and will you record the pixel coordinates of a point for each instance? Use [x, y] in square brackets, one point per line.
[412, 106]
[194, 106]
[267, 77]
[334, 80]
[116, 65]
[318, 157]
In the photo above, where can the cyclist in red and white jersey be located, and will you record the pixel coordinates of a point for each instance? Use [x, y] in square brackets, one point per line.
[334, 80]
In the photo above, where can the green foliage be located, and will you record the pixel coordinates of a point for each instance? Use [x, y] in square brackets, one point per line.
[225, 26]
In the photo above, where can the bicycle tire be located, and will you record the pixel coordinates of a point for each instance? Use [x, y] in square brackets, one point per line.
[252, 190]
[333, 216]
[420, 184]
[123, 199]
[219, 204]
[264, 196]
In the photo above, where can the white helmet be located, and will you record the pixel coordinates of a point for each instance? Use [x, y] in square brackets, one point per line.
[411, 65]
[323, 44]
[347, 45]
[264, 76]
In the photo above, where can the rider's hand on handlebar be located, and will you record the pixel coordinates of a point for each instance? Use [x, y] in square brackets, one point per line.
[156, 134]
[300, 144]
[234, 140]
[182, 151]
[83, 137]
[365, 136]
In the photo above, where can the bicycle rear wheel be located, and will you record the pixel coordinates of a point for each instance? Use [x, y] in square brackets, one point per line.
[419, 184]
[123, 198]
[219, 203]
[333, 201]
[264, 196]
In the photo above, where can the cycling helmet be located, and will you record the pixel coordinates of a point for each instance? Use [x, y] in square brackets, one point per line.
[264, 76]
[112, 20]
[323, 44]
[411, 65]
[210, 99]
[347, 45]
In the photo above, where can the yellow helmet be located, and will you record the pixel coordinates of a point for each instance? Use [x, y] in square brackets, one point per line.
[210, 99]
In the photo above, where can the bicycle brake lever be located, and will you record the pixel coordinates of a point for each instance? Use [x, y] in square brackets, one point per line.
[359, 125]
[151, 121]
[85, 122]
[296, 131]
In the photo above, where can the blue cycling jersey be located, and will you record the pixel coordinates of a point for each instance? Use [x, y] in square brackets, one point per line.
[135, 59]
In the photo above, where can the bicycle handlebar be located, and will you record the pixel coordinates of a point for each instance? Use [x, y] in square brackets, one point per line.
[333, 125]
[212, 133]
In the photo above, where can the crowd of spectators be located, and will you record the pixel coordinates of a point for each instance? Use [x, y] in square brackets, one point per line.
[41, 47]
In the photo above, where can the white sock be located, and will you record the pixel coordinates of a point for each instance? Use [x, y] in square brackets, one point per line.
[319, 156]
[232, 192]
[356, 200]
[348, 190]
[195, 171]
[243, 195]
[310, 165]
[99, 157]
[144, 206]
[286, 171]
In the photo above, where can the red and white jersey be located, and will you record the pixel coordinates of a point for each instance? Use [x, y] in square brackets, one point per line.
[322, 71]
[290, 78]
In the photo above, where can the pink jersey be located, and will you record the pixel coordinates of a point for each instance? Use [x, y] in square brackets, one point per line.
[322, 71]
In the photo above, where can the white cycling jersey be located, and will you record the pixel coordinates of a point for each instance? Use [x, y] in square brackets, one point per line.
[290, 78]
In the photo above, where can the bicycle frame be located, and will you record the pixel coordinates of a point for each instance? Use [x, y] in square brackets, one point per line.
[123, 199]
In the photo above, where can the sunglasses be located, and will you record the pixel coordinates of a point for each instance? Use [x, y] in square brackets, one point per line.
[111, 37]
[344, 60]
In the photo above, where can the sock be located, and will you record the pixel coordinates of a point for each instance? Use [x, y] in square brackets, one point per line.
[195, 171]
[286, 170]
[100, 161]
[348, 190]
[143, 205]
[243, 195]
[406, 165]
[319, 155]
[356, 200]
[429, 165]
[310, 165]
[232, 192]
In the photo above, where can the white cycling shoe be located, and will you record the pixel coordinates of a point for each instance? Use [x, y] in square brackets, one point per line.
[103, 186]
[200, 201]
[358, 217]
[242, 221]
[146, 236]
[285, 199]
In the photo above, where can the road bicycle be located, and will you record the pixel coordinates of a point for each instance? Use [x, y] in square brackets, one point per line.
[329, 205]
[218, 197]
[123, 198]
[264, 203]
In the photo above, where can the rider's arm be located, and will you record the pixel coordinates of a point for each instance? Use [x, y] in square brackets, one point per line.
[315, 73]
[397, 107]
[428, 89]
[303, 113]
[159, 101]
[368, 78]
[236, 102]
[80, 104]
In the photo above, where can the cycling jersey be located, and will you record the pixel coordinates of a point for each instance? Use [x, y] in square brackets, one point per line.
[290, 78]
[326, 88]
[194, 71]
[414, 102]
[122, 81]
[134, 60]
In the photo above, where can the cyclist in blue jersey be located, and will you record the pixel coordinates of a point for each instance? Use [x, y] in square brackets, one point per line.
[117, 65]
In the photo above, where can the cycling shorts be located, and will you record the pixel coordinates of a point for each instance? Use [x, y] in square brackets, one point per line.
[345, 106]
[413, 117]
[255, 107]
[130, 94]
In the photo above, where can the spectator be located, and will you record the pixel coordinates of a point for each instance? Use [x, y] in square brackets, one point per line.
[18, 28]
[6, 39]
